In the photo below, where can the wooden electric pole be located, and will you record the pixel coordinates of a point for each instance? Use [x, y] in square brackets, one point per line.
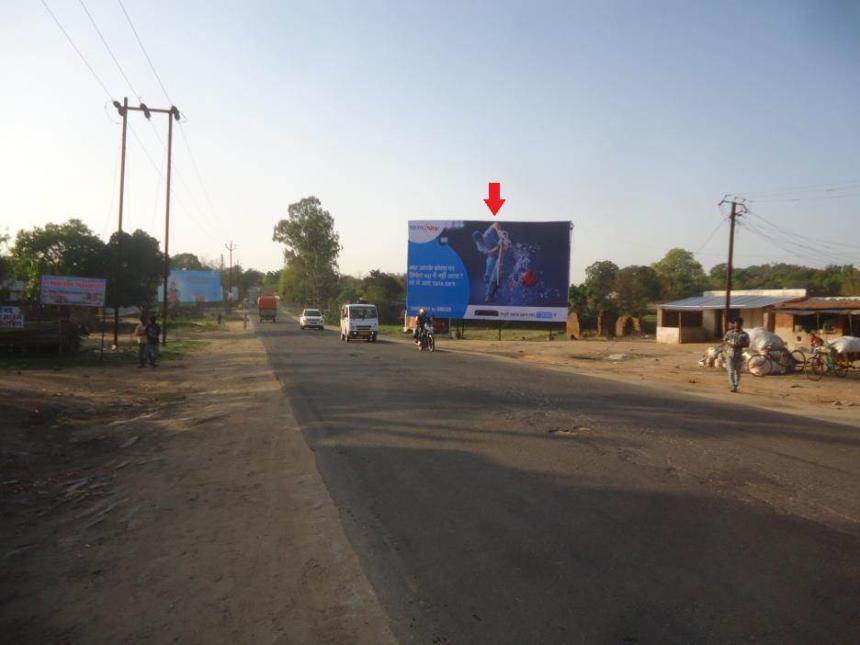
[173, 113]
[123, 111]
[738, 209]
[230, 247]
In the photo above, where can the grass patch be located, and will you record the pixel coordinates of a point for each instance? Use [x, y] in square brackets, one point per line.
[90, 356]
[391, 330]
[207, 324]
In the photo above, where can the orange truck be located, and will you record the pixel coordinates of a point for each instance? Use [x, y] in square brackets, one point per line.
[267, 306]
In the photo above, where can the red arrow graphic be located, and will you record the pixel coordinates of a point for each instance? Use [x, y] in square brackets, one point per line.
[494, 202]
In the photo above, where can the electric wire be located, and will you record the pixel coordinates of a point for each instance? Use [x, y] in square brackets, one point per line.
[143, 49]
[711, 235]
[810, 240]
[185, 140]
[804, 199]
[77, 51]
[109, 50]
[800, 249]
[829, 187]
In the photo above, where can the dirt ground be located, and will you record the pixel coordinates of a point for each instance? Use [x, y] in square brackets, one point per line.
[676, 367]
[140, 506]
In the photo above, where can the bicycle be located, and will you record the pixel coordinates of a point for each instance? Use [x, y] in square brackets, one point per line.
[823, 362]
[776, 360]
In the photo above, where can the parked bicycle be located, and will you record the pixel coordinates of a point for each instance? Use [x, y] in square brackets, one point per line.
[825, 361]
[776, 361]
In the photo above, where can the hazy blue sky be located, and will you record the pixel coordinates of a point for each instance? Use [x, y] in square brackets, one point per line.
[629, 118]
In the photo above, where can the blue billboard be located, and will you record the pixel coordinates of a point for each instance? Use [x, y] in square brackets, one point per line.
[187, 287]
[489, 270]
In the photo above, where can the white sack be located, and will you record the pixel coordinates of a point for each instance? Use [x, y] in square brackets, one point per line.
[762, 339]
[846, 344]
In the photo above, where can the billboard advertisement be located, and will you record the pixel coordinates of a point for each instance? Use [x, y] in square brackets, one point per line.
[483, 270]
[190, 287]
[68, 290]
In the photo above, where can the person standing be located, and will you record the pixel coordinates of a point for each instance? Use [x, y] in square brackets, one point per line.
[140, 337]
[736, 341]
[153, 332]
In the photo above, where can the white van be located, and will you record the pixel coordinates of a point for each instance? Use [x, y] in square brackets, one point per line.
[359, 321]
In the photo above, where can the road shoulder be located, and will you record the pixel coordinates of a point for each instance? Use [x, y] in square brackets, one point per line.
[195, 514]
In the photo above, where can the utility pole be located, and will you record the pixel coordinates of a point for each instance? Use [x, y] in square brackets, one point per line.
[123, 111]
[738, 209]
[230, 247]
[173, 113]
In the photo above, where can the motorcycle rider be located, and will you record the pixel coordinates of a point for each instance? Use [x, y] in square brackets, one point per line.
[420, 321]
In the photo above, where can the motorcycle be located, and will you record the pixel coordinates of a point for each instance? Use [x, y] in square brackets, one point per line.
[426, 339]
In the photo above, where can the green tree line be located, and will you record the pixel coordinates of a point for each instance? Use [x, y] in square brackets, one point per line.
[72, 249]
[632, 289]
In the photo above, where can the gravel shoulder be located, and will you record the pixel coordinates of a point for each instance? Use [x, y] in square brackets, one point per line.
[180, 503]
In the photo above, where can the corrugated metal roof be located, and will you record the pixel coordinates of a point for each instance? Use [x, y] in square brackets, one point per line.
[697, 303]
[821, 304]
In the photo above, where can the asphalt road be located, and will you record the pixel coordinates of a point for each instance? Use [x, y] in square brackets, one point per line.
[492, 502]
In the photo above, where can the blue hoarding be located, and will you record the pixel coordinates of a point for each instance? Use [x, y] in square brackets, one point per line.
[489, 270]
[186, 287]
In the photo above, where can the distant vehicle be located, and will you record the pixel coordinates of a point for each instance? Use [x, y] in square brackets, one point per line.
[312, 318]
[267, 306]
[359, 321]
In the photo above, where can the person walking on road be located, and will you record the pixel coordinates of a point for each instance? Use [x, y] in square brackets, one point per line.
[140, 337]
[153, 332]
[736, 341]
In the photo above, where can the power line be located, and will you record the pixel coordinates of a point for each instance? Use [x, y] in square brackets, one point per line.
[804, 199]
[109, 50]
[807, 238]
[77, 51]
[829, 187]
[181, 127]
[143, 49]
[711, 235]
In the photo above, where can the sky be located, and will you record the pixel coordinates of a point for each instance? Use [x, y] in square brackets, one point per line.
[631, 119]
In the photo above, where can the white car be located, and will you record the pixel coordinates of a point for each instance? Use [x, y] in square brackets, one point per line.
[312, 318]
[359, 321]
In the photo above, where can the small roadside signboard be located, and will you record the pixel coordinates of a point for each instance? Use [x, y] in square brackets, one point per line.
[69, 290]
[11, 317]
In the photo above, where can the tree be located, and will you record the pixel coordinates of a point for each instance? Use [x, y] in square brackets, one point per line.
[600, 286]
[4, 261]
[141, 273]
[387, 291]
[680, 275]
[69, 249]
[312, 248]
[187, 261]
[292, 286]
[830, 281]
[636, 287]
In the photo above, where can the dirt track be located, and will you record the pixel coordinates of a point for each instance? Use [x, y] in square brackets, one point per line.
[211, 525]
